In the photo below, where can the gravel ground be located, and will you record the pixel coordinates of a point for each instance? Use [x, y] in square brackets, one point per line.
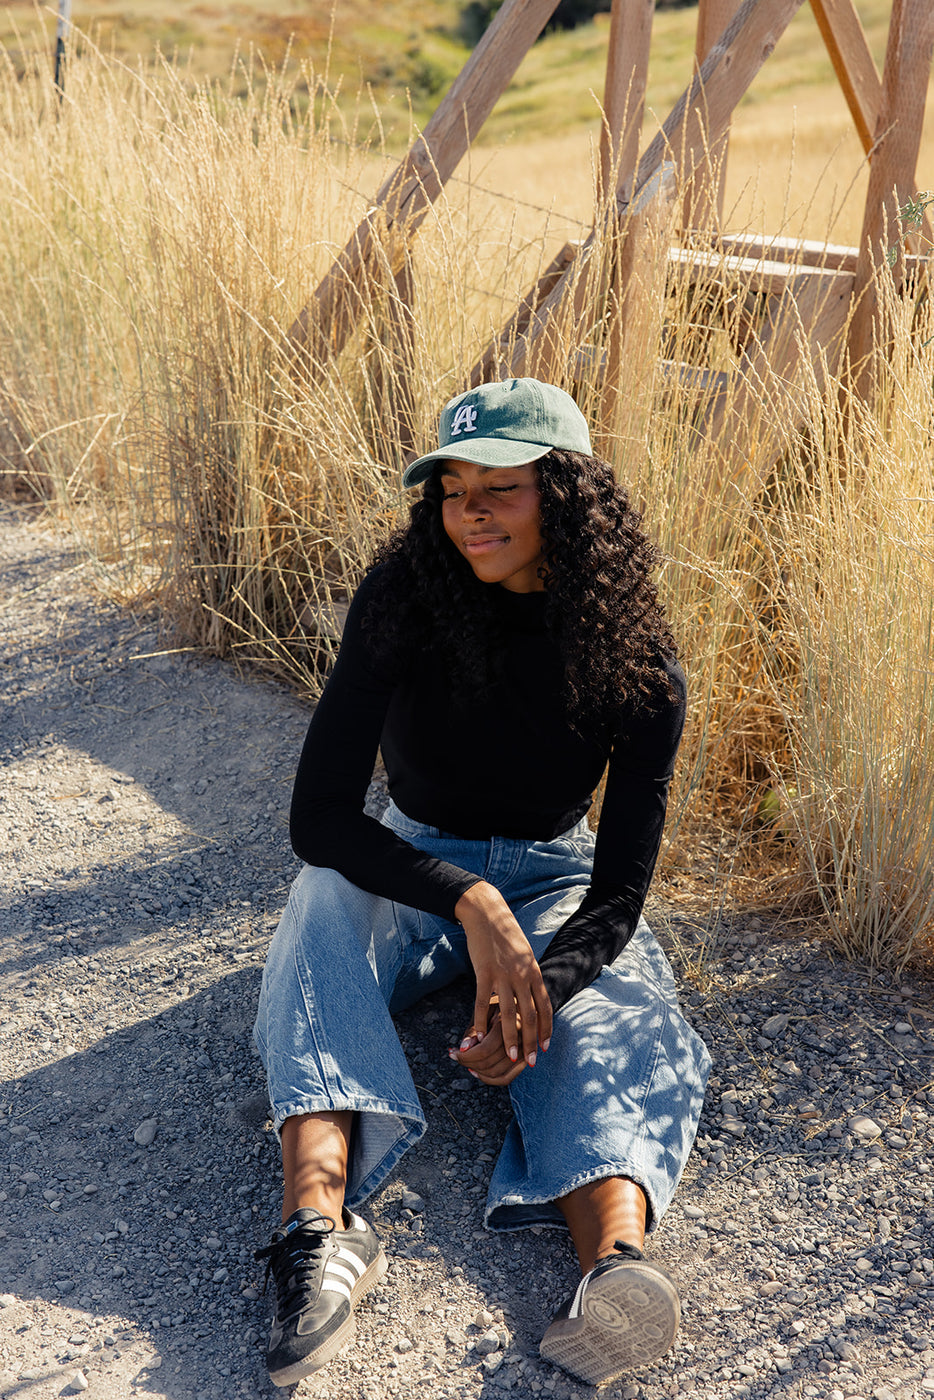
[145, 858]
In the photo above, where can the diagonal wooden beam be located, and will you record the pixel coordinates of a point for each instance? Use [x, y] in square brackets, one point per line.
[405, 198]
[853, 63]
[700, 117]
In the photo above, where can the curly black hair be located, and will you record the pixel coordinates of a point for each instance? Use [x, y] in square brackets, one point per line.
[601, 604]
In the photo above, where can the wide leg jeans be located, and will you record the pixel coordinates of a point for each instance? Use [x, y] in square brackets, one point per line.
[618, 1093]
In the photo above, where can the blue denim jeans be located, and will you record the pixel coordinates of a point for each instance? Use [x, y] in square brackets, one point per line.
[618, 1093]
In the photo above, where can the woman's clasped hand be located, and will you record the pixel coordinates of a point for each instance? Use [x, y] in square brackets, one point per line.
[512, 1015]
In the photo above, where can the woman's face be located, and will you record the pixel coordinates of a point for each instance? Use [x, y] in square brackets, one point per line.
[491, 516]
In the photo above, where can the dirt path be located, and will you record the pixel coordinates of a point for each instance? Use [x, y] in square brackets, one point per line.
[144, 862]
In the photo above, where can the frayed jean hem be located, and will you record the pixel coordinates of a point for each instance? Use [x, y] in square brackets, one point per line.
[521, 1211]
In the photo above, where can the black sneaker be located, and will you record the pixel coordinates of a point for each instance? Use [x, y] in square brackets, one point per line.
[321, 1273]
[624, 1314]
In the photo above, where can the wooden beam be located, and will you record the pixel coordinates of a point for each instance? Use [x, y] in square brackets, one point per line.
[891, 182]
[637, 310]
[627, 68]
[725, 75]
[405, 198]
[702, 203]
[757, 274]
[804, 252]
[853, 63]
[751, 421]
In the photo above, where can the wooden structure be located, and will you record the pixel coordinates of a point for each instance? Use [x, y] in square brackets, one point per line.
[813, 300]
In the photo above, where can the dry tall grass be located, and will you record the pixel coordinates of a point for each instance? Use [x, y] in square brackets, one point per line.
[159, 243]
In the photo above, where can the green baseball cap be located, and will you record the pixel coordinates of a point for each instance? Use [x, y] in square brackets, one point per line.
[505, 425]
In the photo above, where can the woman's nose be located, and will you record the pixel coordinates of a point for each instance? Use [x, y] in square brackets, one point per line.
[476, 506]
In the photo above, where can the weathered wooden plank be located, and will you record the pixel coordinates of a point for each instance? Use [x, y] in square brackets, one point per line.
[627, 68]
[853, 63]
[755, 274]
[724, 77]
[406, 196]
[897, 141]
[804, 252]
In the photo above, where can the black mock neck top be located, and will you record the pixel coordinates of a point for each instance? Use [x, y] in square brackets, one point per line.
[510, 765]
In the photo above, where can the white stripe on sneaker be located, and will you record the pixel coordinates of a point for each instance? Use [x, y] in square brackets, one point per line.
[334, 1270]
[579, 1297]
[348, 1259]
[333, 1284]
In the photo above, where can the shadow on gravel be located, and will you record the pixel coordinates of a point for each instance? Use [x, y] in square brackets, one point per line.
[157, 1237]
[174, 892]
[156, 1241]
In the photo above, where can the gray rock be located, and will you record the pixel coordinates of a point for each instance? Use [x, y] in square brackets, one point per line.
[866, 1129]
[145, 1134]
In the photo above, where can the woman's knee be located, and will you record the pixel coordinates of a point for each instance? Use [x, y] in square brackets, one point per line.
[323, 900]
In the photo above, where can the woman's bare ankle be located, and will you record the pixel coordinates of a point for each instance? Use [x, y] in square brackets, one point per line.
[315, 1148]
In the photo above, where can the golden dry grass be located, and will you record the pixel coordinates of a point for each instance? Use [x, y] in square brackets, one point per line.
[159, 238]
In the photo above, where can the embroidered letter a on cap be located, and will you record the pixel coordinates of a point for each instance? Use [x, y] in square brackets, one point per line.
[465, 420]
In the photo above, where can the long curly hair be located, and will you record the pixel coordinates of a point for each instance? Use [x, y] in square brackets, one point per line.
[601, 604]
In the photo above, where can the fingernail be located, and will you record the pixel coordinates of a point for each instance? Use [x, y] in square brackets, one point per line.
[474, 1073]
[452, 1054]
[465, 1043]
[513, 1053]
[531, 1060]
[546, 1043]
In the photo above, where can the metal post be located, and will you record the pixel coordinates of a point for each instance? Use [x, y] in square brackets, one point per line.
[61, 29]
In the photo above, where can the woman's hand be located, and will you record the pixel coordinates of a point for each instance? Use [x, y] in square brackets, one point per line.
[506, 972]
[486, 1058]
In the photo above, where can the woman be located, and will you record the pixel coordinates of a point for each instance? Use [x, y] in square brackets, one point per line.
[505, 650]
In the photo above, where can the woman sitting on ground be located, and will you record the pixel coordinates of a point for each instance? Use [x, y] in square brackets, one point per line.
[505, 650]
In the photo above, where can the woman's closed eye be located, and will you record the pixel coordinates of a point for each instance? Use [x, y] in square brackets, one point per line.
[454, 493]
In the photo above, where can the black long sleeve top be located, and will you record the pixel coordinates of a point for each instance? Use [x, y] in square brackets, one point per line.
[512, 765]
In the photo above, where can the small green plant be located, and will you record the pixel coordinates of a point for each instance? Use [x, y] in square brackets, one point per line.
[912, 216]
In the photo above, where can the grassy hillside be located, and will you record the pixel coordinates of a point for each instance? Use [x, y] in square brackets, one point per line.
[393, 63]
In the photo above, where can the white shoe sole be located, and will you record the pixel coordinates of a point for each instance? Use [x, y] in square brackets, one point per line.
[629, 1319]
[291, 1375]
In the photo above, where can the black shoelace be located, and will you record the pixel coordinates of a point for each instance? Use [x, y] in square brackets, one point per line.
[295, 1258]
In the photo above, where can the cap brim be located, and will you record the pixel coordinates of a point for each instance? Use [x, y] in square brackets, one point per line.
[485, 452]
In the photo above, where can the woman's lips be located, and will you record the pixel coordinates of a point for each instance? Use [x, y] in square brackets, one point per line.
[484, 544]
